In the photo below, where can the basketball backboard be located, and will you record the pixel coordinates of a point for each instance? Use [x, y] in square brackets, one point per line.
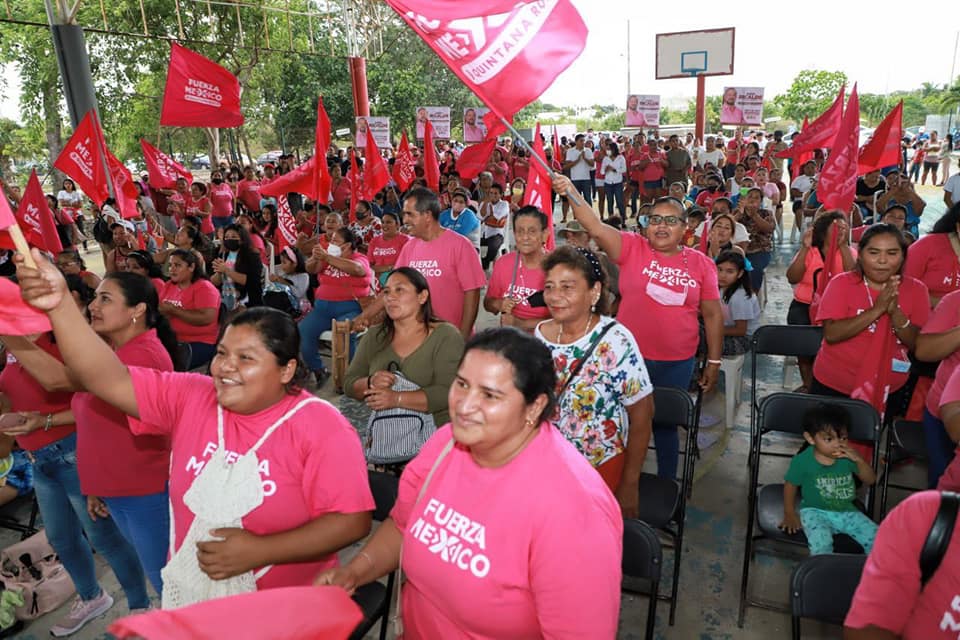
[688, 54]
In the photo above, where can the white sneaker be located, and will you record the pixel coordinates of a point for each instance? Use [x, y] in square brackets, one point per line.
[82, 612]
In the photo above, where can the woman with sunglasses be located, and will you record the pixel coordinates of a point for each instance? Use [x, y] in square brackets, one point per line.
[670, 286]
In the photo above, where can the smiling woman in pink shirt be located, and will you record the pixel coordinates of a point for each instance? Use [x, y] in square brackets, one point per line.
[516, 557]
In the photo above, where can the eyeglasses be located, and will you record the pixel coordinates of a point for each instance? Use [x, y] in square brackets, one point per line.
[670, 221]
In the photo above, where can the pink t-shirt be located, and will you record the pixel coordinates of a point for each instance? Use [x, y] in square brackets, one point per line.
[662, 295]
[527, 283]
[248, 193]
[950, 480]
[451, 266]
[196, 208]
[256, 241]
[339, 286]
[111, 460]
[221, 197]
[943, 318]
[383, 252]
[655, 170]
[198, 295]
[932, 261]
[482, 568]
[889, 594]
[312, 465]
[838, 365]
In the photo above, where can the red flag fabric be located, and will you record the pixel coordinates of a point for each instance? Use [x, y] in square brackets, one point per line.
[821, 132]
[36, 219]
[162, 169]
[837, 185]
[883, 150]
[557, 149]
[403, 165]
[199, 92]
[286, 223]
[17, 318]
[6, 213]
[355, 186]
[287, 613]
[474, 159]
[495, 126]
[124, 188]
[431, 164]
[300, 180]
[321, 142]
[488, 45]
[539, 191]
[82, 160]
[376, 175]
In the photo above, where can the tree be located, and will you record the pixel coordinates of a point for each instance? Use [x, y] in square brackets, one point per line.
[950, 98]
[810, 94]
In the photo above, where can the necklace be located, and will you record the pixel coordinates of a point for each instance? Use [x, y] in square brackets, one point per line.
[585, 330]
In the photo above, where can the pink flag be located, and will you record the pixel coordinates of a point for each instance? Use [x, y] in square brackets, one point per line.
[301, 180]
[539, 191]
[883, 150]
[199, 92]
[821, 132]
[837, 185]
[403, 165]
[431, 164]
[162, 169]
[82, 160]
[490, 45]
[17, 318]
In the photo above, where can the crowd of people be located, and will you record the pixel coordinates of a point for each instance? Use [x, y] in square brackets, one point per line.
[170, 421]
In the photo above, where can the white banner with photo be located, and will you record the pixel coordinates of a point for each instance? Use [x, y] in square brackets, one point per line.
[379, 125]
[439, 118]
[742, 105]
[643, 111]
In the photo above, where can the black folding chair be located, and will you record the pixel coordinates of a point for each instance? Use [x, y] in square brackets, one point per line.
[663, 501]
[11, 515]
[374, 598]
[789, 340]
[822, 588]
[642, 562]
[783, 413]
[908, 436]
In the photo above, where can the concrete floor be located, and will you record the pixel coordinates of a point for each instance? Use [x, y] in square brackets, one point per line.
[713, 549]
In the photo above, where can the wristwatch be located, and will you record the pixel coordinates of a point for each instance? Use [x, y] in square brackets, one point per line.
[49, 422]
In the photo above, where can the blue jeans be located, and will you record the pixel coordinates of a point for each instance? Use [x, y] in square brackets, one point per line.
[145, 522]
[201, 353]
[64, 512]
[614, 192]
[669, 373]
[219, 222]
[585, 188]
[760, 261]
[940, 448]
[321, 319]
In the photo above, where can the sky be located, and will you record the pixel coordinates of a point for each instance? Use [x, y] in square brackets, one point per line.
[882, 50]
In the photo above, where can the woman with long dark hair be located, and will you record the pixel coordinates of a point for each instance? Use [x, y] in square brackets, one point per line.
[237, 270]
[192, 305]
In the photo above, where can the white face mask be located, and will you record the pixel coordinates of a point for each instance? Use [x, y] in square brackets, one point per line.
[334, 250]
[609, 153]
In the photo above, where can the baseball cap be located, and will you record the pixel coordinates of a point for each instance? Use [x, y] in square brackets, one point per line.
[126, 224]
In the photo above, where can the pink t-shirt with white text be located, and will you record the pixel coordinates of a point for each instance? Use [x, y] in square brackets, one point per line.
[662, 295]
[310, 466]
[221, 197]
[383, 252]
[198, 295]
[527, 283]
[467, 556]
[451, 266]
[945, 316]
[889, 594]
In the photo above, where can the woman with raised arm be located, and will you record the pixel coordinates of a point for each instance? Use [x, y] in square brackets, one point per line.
[267, 482]
[669, 287]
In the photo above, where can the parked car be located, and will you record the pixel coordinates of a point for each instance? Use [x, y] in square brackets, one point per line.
[200, 162]
[269, 156]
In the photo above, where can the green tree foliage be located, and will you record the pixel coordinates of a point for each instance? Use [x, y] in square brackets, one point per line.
[810, 94]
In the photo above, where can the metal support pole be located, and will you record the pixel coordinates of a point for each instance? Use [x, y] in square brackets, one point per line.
[700, 126]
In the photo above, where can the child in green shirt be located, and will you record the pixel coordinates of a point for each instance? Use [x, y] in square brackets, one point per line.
[823, 472]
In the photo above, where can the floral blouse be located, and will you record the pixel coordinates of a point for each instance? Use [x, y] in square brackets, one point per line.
[592, 411]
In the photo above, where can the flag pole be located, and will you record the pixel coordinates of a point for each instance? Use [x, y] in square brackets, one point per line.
[571, 195]
[16, 234]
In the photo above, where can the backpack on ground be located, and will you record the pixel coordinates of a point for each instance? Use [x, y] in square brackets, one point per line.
[33, 568]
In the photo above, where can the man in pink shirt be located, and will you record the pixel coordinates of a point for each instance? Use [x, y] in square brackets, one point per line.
[447, 260]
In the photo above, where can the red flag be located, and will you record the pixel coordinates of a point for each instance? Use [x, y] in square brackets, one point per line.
[474, 159]
[355, 178]
[375, 173]
[883, 150]
[82, 160]
[162, 169]
[199, 92]
[539, 191]
[431, 164]
[495, 126]
[837, 185]
[403, 173]
[286, 223]
[491, 44]
[124, 188]
[321, 142]
[17, 318]
[705, 234]
[36, 219]
[557, 149]
[300, 180]
[821, 132]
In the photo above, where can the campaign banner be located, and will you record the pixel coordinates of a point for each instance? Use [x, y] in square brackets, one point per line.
[643, 111]
[380, 128]
[474, 130]
[439, 118]
[742, 105]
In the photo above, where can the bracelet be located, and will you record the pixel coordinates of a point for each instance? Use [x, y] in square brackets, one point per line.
[49, 422]
[718, 362]
[905, 325]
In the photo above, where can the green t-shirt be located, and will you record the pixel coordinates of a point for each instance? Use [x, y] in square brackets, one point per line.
[830, 488]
